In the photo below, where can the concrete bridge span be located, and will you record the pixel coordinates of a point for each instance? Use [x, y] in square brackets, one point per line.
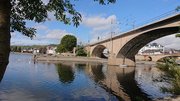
[124, 47]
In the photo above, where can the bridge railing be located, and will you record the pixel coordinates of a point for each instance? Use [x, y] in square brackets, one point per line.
[145, 23]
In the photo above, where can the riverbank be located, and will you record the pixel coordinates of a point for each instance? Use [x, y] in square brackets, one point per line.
[57, 58]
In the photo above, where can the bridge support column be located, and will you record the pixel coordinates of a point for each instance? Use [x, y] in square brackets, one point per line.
[121, 62]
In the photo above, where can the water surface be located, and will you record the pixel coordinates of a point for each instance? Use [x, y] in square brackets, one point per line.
[25, 80]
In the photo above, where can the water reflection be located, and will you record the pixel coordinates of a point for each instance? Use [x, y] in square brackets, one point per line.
[65, 72]
[130, 86]
[98, 73]
[77, 81]
[80, 67]
[118, 81]
[2, 71]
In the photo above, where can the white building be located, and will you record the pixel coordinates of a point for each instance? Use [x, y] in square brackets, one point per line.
[151, 49]
[51, 50]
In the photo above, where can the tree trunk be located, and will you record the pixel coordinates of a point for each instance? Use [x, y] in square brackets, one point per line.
[4, 35]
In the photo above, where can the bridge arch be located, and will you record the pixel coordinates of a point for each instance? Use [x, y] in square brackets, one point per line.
[131, 48]
[98, 51]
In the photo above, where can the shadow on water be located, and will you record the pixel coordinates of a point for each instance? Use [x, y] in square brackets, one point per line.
[130, 86]
[2, 71]
[65, 72]
[80, 67]
[118, 81]
[98, 73]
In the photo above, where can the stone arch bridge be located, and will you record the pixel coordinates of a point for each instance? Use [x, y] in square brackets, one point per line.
[123, 48]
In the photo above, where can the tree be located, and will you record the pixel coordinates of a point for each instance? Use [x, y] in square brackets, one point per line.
[177, 8]
[68, 42]
[19, 49]
[80, 51]
[60, 48]
[14, 13]
[42, 50]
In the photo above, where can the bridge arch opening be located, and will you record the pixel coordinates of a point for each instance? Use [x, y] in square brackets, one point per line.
[131, 48]
[100, 51]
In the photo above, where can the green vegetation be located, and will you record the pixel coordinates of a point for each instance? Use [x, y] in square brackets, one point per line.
[178, 8]
[172, 70]
[17, 12]
[68, 42]
[178, 35]
[16, 49]
[80, 51]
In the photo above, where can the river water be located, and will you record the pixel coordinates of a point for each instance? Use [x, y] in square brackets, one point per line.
[25, 80]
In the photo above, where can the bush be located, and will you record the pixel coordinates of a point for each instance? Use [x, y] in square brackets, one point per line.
[80, 51]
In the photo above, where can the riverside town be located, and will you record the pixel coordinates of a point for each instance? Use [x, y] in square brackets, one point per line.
[89, 50]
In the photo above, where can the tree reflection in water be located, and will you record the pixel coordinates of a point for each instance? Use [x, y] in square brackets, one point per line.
[98, 73]
[65, 72]
[80, 67]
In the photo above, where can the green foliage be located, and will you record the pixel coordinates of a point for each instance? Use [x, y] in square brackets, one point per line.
[42, 50]
[178, 8]
[16, 49]
[36, 10]
[178, 35]
[172, 69]
[61, 48]
[68, 42]
[80, 51]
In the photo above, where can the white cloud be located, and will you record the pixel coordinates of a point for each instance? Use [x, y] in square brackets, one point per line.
[48, 36]
[99, 22]
[45, 1]
[51, 16]
[40, 27]
[101, 26]
[13, 34]
[169, 41]
[56, 34]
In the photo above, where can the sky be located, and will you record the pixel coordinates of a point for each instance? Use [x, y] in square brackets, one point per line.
[98, 21]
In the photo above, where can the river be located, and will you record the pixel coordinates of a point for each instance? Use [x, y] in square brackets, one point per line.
[26, 80]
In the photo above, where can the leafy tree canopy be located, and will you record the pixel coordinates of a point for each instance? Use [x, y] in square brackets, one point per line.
[68, 42]
[178, 35]
[37, 11]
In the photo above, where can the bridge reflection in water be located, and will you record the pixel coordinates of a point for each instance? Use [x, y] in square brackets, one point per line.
[114, 79]
[119, 81]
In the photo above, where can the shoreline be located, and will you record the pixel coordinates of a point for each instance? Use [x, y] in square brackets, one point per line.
[45, 58]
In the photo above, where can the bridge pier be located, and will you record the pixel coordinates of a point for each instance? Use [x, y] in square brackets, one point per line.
[113, 61]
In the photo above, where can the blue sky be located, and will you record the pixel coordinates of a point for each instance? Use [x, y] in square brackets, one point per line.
[96, 21]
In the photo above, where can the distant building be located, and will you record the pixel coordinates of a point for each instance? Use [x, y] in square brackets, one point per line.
[35, 51]
[151, 49]
[51, 50]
